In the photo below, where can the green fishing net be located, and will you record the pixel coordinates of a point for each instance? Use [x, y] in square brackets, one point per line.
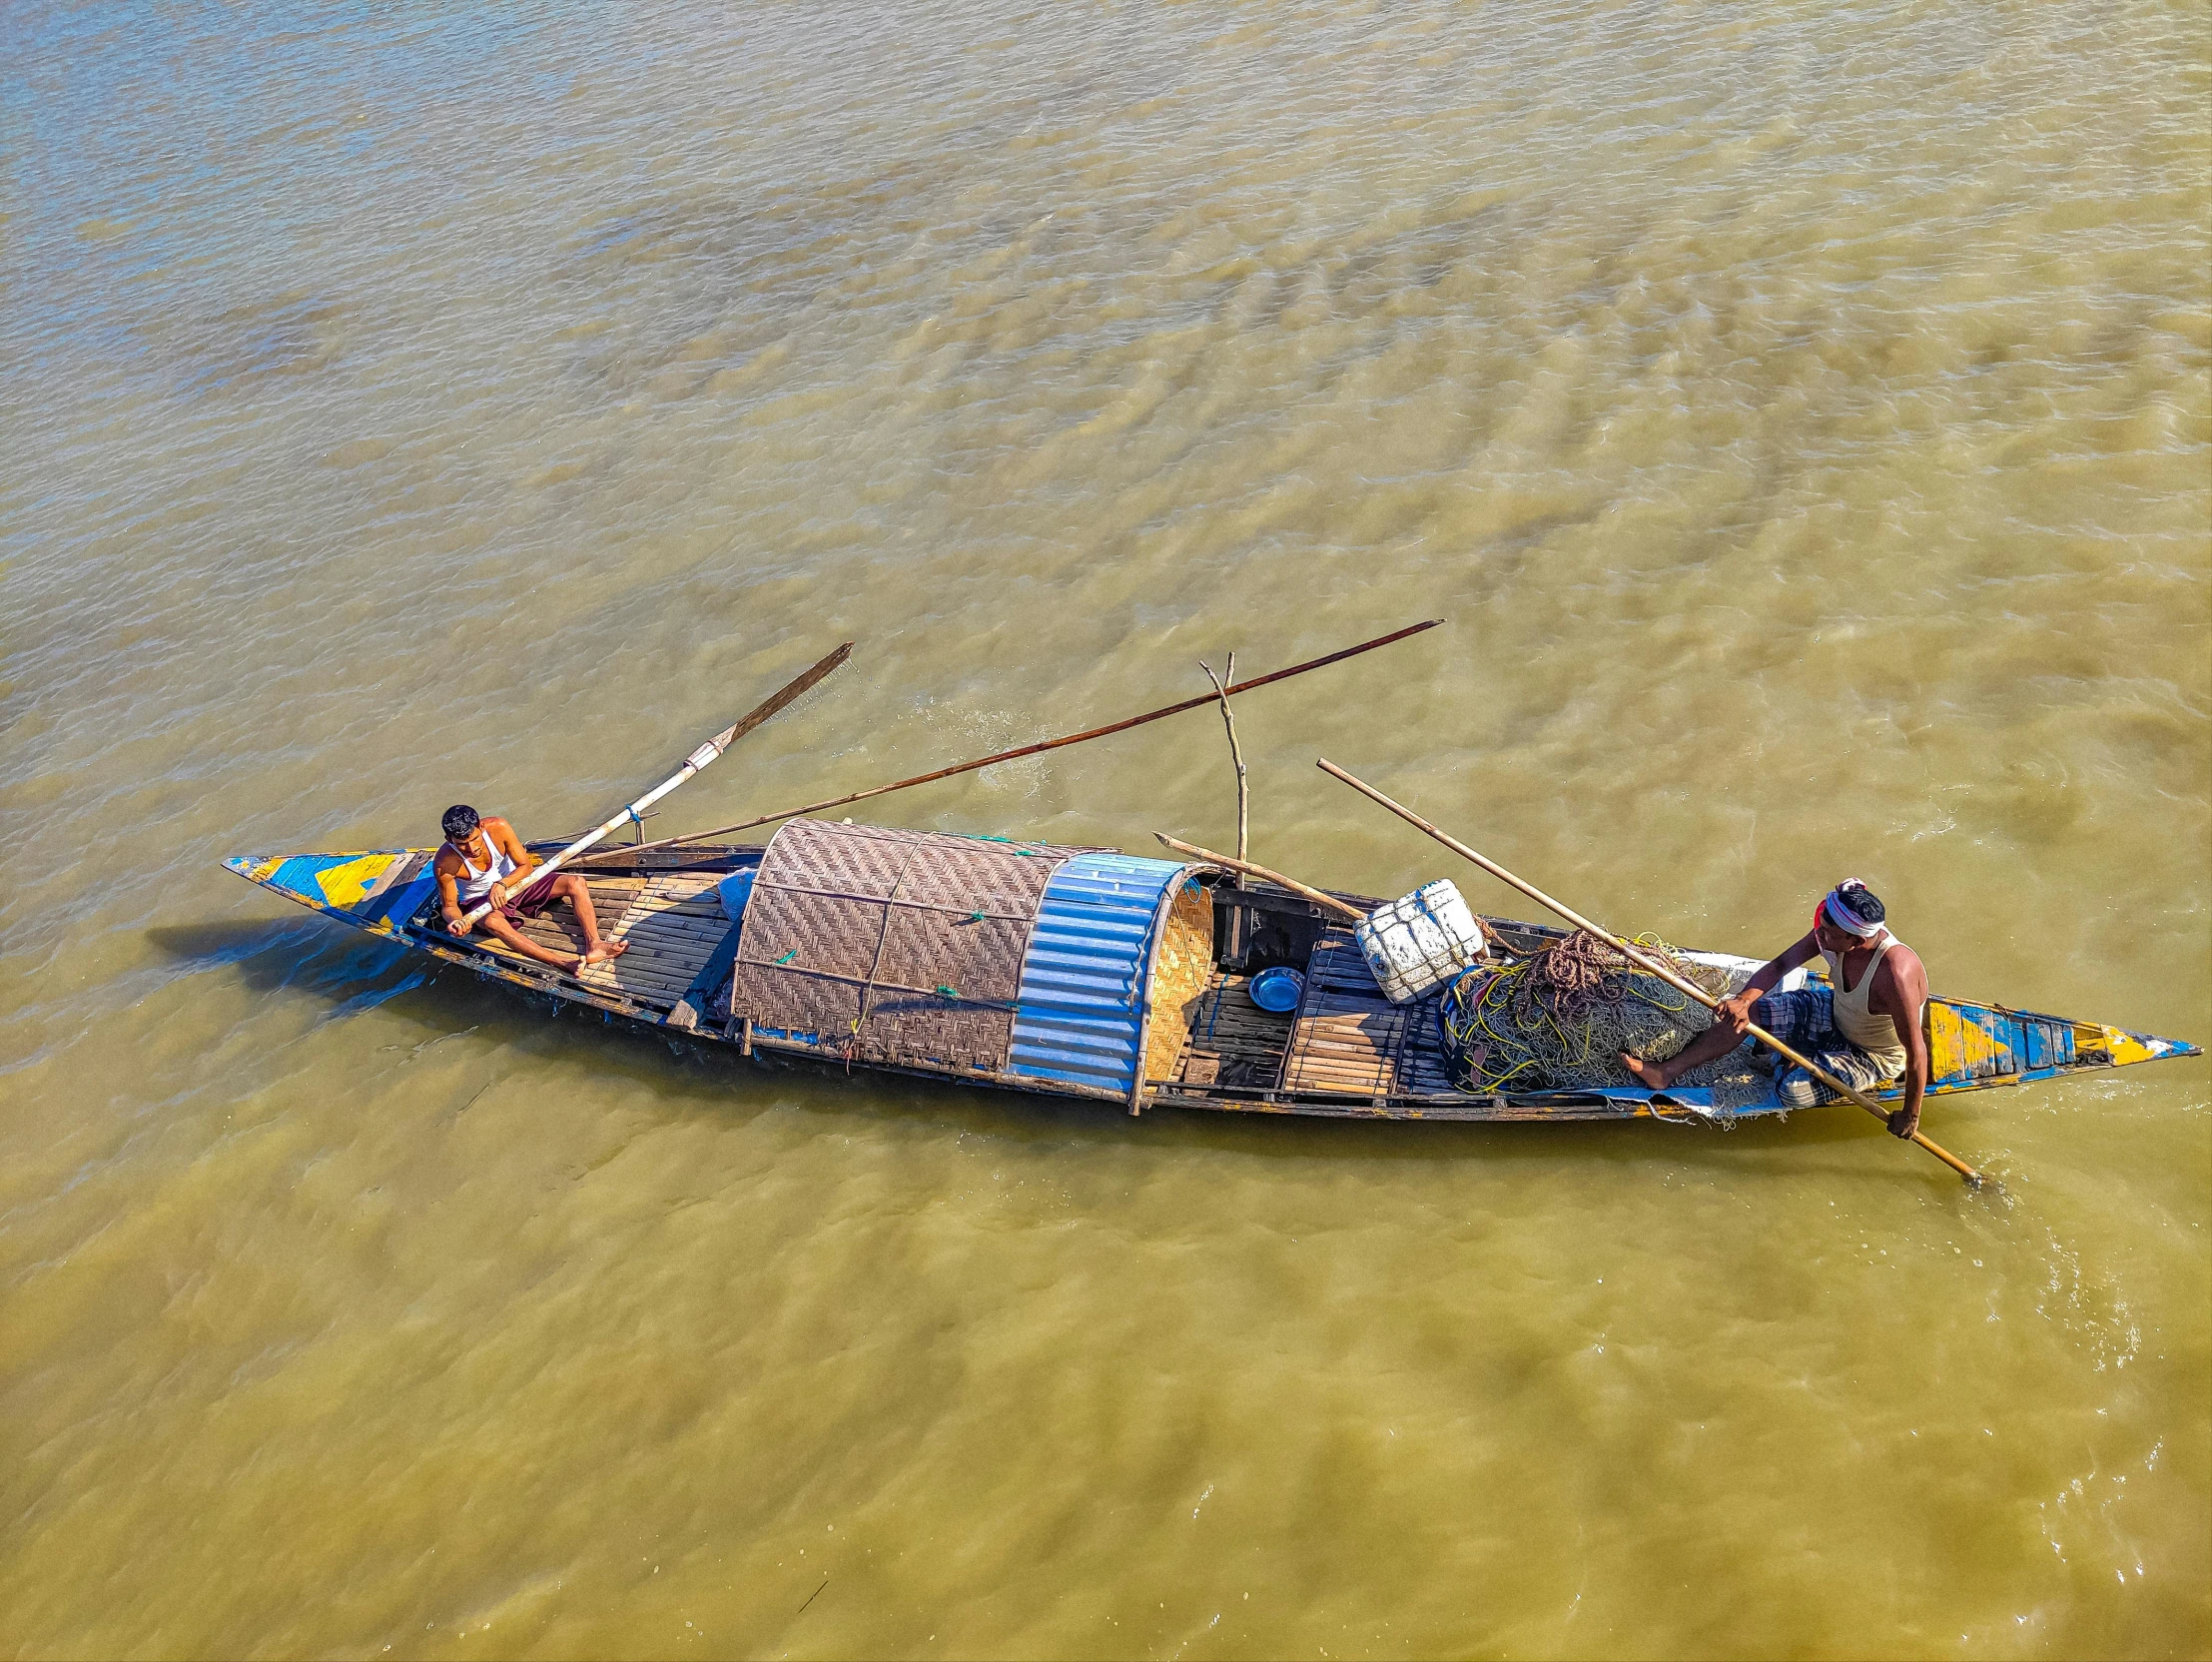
[1558, 1018]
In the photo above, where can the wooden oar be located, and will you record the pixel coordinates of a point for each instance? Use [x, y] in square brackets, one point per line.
[698, 759]
[1649, 965]
[1044, 745]
[1328, 903]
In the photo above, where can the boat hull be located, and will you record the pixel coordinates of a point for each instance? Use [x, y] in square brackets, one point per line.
[1344, 1055]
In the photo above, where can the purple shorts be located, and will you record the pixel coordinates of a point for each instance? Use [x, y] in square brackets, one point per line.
[530, 905]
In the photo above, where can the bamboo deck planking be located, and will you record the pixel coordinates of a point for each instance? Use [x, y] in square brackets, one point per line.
[671, 935]
[671, 924]
[1231, 1040]
[1350, 1039]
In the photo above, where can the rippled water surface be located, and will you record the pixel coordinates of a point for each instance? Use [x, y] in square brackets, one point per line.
[1799, 411]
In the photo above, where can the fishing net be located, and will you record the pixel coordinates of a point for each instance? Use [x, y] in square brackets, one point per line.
[1559, 1020]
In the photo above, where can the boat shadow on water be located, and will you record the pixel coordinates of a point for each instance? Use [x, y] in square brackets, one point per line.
[353, 976]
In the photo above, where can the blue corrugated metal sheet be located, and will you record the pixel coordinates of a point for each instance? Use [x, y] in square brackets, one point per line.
[1079, 1016]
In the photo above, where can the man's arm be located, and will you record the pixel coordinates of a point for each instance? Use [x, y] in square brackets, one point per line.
[1735, 1010]
[1900, 991]
[448, 892]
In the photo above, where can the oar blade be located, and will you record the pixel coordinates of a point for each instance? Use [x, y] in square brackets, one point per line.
[781, 702]
[697, 760]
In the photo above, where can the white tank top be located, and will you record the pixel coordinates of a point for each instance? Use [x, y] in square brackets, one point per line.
[1872, 1032]
[480, 882]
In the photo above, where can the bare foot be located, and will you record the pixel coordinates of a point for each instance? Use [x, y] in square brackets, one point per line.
[603, 952]
[1649, 1074]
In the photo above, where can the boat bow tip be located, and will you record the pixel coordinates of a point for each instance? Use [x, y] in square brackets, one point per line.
[2125, 1047]
[329, 882]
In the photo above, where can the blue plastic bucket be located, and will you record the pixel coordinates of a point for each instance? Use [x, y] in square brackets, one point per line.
[1278, 989]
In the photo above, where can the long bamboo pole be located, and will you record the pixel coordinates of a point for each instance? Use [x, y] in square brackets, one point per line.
[1644, 961]
[1040, 747]
[1328, 903]
[699, 758]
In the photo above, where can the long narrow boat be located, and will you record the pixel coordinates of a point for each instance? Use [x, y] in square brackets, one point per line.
[1071, 972]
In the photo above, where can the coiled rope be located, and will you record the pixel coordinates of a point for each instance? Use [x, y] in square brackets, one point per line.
[1560, 1017]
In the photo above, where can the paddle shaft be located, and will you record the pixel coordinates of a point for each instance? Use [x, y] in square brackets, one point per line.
[1043, 745]
[699, 758]
[1643, 961]
[1328, 903]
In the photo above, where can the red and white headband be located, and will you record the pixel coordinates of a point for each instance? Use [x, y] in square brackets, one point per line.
[1842, 916]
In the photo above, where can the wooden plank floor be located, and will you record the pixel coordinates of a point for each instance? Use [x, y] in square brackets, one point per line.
[672, 924]
[1350, 1039]
[1232, 1040]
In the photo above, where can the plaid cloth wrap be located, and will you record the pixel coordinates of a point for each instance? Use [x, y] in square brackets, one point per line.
[1806, 1022]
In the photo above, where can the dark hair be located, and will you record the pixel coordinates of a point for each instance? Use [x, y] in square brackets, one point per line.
[1859, 900]
[461, 822]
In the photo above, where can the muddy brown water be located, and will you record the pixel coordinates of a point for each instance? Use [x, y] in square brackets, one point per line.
[1800, 412]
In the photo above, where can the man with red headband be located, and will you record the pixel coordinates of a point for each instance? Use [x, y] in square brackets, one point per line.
[1864, 1026]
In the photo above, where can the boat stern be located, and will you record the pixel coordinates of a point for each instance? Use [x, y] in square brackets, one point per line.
[370, 889]
[2121, 1047]
[1971, 1045]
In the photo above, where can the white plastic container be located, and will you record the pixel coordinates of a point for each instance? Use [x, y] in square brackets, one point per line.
[1415, 944]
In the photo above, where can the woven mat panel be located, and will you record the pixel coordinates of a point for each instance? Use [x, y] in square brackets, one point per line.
[920, 1027]
[928, 949]
[859, 860]
[782, 999]
[809, 932]
[964, 874]
[1182, 969]
[859, 924]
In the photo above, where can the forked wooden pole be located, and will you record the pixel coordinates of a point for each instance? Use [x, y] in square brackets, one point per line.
[1328, 903]
[1236, 751]
[1649, 965]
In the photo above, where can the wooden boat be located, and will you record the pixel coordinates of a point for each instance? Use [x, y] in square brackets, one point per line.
[1073, 972]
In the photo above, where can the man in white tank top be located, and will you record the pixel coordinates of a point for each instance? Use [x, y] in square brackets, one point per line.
[483, 859]
[1864, 1027]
